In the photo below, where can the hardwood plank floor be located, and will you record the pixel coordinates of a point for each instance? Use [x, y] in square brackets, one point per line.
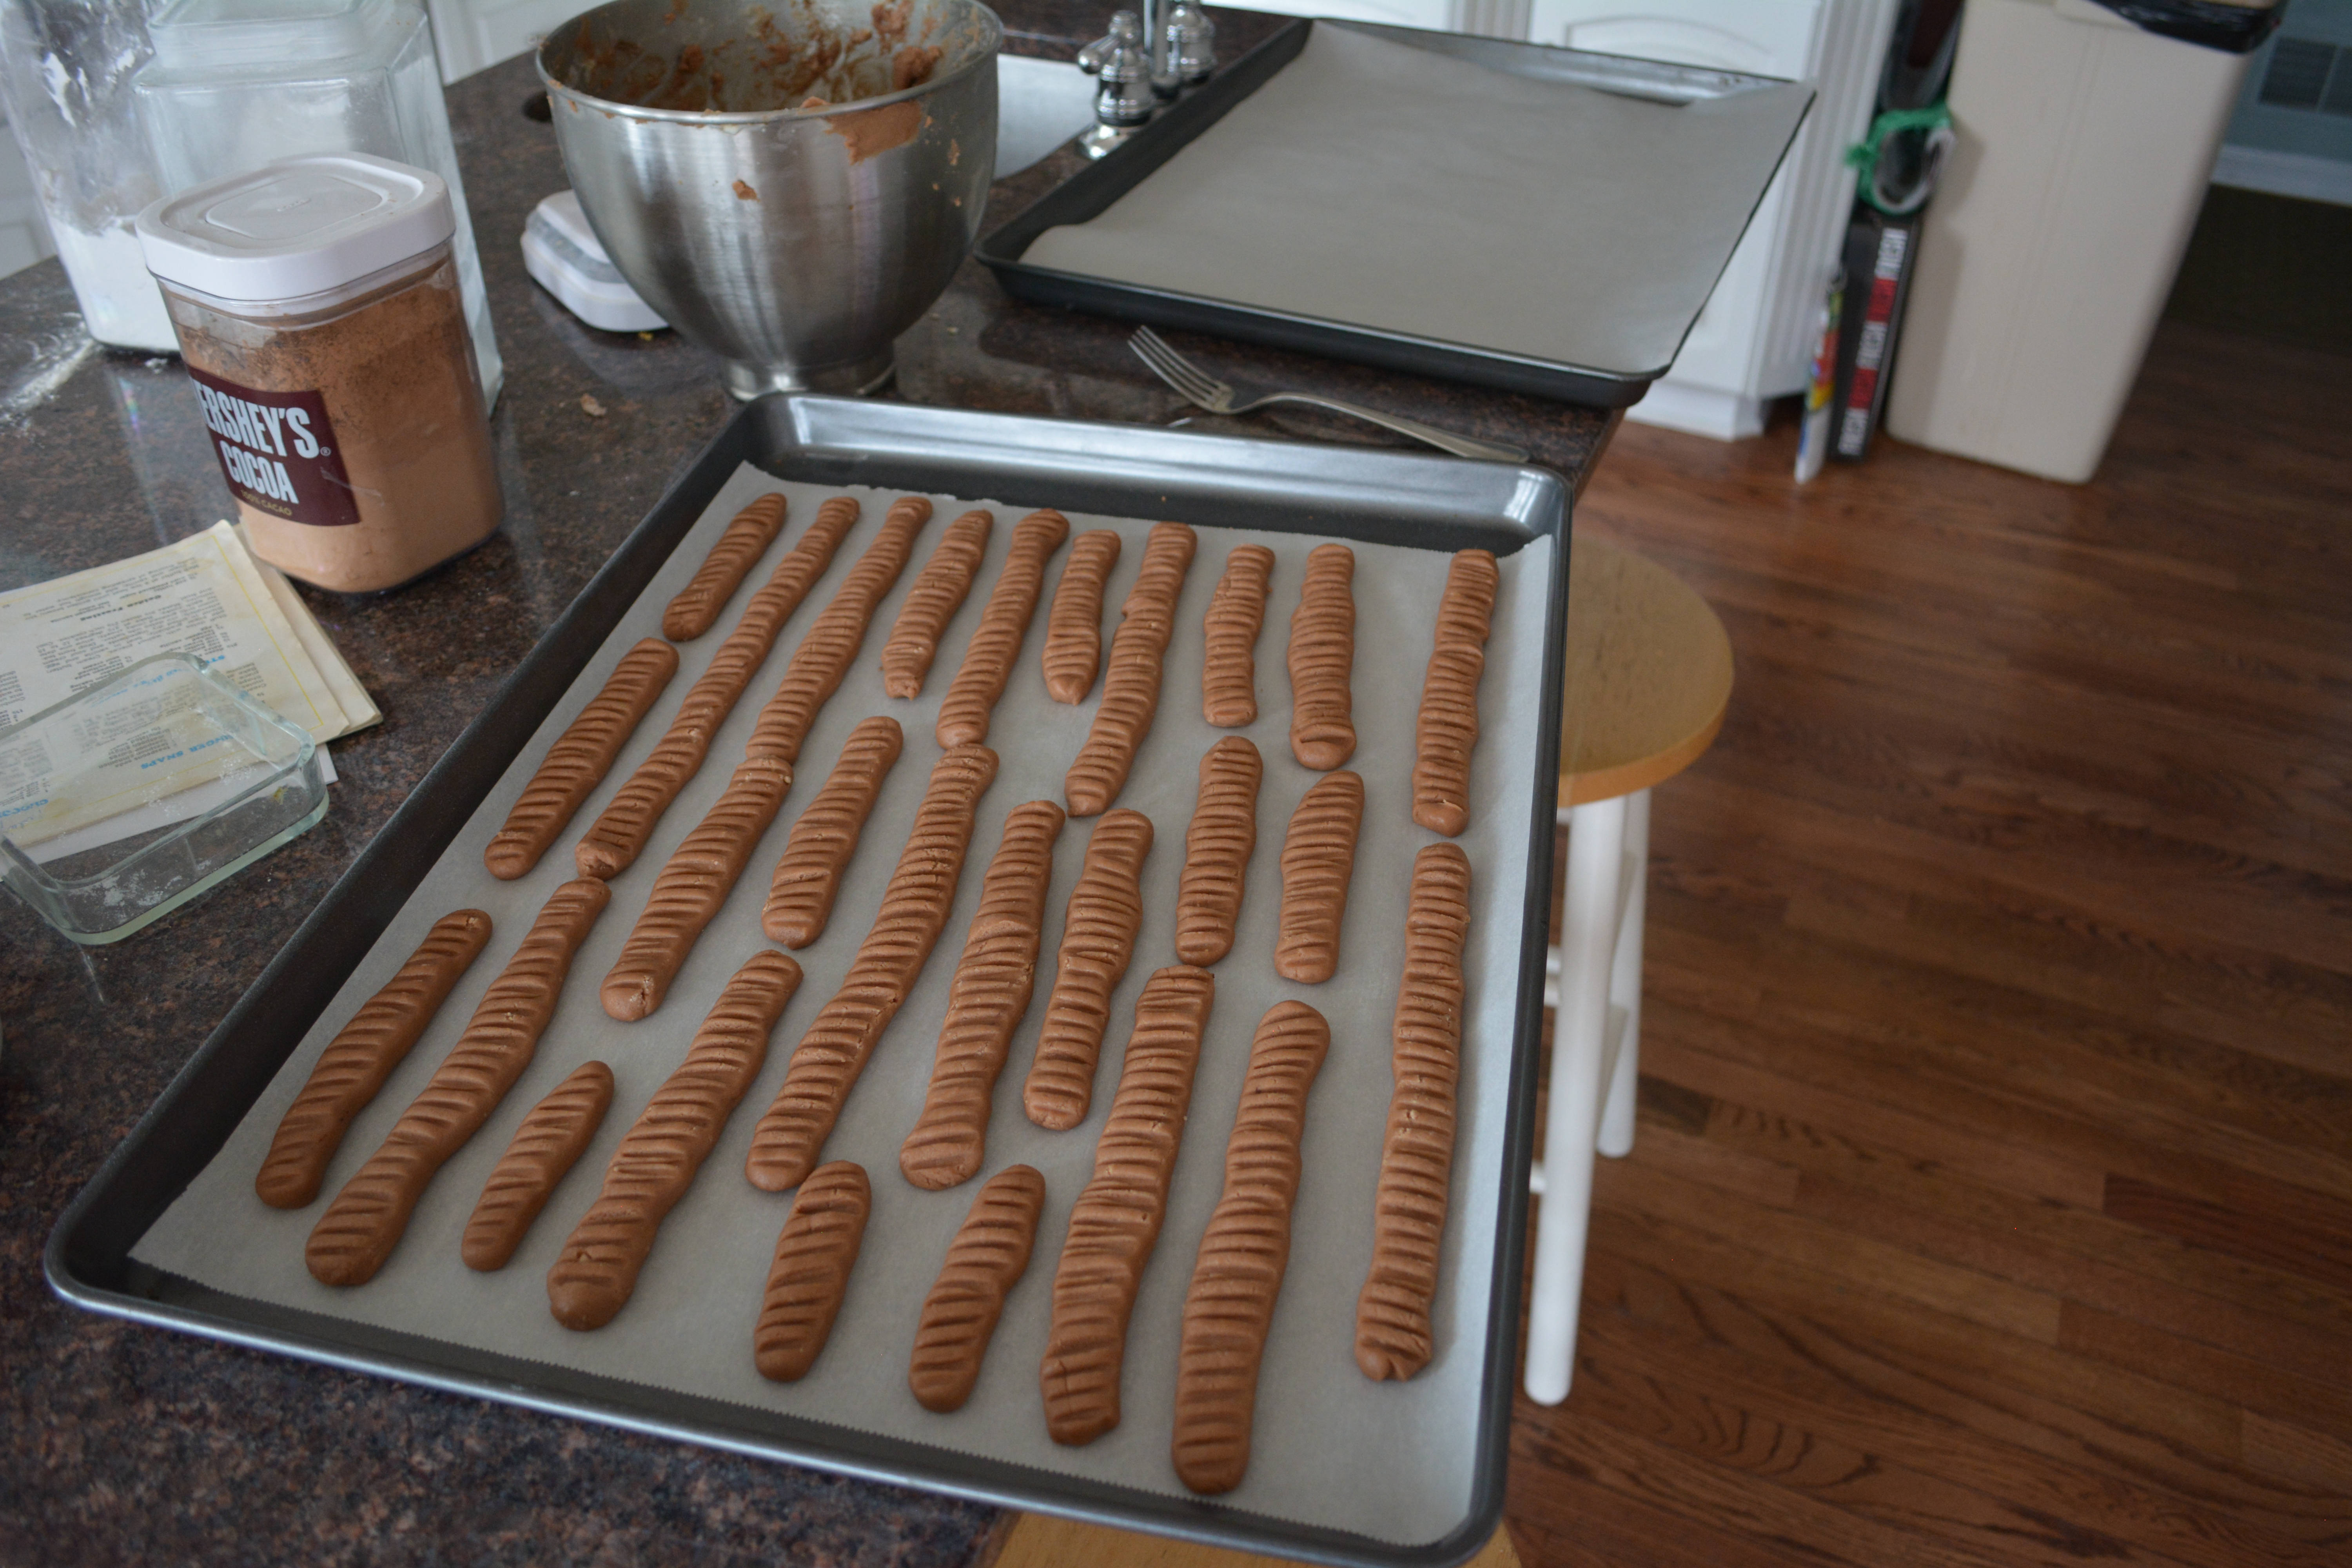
[1993, 1196]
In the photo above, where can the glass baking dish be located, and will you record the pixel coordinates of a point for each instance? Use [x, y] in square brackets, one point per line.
[130, 797]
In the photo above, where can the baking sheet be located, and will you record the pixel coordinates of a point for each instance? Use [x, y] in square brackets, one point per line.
[1396, 189]
[1391, 1462]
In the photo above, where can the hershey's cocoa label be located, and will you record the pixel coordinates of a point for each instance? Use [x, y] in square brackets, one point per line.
[278, 451]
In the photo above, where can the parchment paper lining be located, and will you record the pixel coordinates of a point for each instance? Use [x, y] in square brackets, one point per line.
[1391, 1461]
[1386, 187]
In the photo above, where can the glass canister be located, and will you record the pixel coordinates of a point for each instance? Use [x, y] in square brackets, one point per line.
[235, 83]
[66, 70]
[318, 311]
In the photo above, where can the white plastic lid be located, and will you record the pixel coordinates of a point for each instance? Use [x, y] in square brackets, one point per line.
[300, 226]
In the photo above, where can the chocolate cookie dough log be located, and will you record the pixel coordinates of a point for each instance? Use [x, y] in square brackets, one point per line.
[1393, 1337]
[1131, 683]
[1236, 612]
[1245, 1249]
[1323, 659]
[364, 1222]
[692, 887]
[1447, 729]
[834, 1051]
[1318, 857]
[580, 759]
[1217, 850]
[989, 657]
[547, 1145]
[993, 982]
[1074, 625]
[618, 835]
[597, 1270]
[986, 1259]
[939, 593]
[831, 645]
[746, 540]
[811, 1271]
[1099, 931]
[808, 876]
[362, 1054]
[1116, 1221]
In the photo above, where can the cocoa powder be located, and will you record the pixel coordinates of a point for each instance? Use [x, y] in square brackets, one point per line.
[393, 366]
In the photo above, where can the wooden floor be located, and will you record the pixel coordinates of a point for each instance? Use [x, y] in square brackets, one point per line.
[1993, 1197]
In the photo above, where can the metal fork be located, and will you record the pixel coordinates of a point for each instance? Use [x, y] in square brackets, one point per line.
[1200, 388]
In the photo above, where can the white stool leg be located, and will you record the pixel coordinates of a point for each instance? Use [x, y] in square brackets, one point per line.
[1595, 860]
[1616, 1139]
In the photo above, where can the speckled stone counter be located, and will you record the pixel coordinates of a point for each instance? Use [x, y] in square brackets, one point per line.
[124, 1444]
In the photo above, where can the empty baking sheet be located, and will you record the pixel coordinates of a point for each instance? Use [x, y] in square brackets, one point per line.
[1344, 1469]
[1501, 203]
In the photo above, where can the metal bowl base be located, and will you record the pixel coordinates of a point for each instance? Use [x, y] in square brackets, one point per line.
[855, 378]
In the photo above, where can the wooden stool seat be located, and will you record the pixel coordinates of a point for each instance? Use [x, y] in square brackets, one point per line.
[1647, 679]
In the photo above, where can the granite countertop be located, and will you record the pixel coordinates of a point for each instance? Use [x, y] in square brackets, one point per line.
[123, 1443]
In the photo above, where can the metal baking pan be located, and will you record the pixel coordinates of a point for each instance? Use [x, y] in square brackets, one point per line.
[1371, 496]
[1092, 191]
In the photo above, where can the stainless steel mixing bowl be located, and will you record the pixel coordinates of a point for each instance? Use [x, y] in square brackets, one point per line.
[796, 242]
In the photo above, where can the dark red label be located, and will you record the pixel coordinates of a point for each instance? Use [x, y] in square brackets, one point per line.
[278, 451]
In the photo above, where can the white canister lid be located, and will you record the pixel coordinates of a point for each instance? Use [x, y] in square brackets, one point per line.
[299, 226]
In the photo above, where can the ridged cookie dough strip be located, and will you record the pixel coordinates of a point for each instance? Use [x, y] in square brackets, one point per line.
[547, 1145]
[685, 896]
[618, 835]
[808, 876]
[1074, 625]
[1323, 659]
[1217, 850]
[1131, 683]
[362, 1056]
[746, 540]
[364, 1222]
[940, 589]
[830, 644]
[989, 657]
[1393, 1336]
[989, 998]
[810, 1270]
[1116, 1221]
[596, 1272]
[1245, 1249]
[834, 1050]
[1236, 612]
[1447, 729]
[580, 759]
[1318, 857]
[1106, 911]
[986, 1259]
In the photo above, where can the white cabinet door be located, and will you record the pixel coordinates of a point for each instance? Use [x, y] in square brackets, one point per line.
[1763, 38]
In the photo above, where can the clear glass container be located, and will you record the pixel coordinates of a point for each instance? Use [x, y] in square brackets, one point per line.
[377, 372]
[66, 70]
[234, 84]
[102, 827]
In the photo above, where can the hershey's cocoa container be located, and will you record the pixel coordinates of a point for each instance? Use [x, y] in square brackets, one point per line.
[318, 308]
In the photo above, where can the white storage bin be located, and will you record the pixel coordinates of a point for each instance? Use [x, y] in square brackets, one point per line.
[2084, 147]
